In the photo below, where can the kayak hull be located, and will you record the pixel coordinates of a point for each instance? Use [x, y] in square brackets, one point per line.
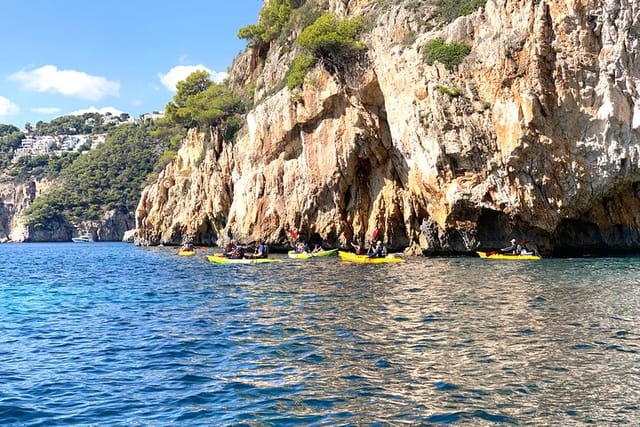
[186, 253]
[214, 259]
[509, 257]
[364, 259]
[327, 252]
[299, 255]
[306, 255]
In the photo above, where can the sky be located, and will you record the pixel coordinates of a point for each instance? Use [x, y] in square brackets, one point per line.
[124, 56]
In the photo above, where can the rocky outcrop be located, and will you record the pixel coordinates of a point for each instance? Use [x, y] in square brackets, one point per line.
[535, 135]
[16, 197]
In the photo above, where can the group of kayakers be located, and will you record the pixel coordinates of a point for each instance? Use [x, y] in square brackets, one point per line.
[302, 247]
[236, 251]
[374, 249]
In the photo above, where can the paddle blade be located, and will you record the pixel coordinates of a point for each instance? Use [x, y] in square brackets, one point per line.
[374, 235]
[293, 234]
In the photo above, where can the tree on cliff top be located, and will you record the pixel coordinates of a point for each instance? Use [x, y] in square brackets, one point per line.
[273, 19]
[201, 102]
[333, 41]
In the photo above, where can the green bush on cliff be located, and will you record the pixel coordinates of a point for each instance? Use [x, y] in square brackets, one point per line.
[299, 67]
[331, 40]
[449, 54]
[201, 102]
[448, 10]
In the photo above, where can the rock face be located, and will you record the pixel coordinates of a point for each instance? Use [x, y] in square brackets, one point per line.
[15, 198]
[534, 136]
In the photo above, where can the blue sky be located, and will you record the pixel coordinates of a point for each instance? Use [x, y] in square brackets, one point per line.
[70, 56]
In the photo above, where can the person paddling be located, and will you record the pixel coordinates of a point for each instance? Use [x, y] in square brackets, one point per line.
[378, 252]
[261, 250]
[514, 248]
[358, 248]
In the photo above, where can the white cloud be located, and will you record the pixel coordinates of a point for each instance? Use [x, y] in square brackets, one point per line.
[8, 108]
[104, 110]
[181, 72]
[46, 110]
[67, 82]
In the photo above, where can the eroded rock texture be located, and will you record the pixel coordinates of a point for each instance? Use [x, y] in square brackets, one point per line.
[535, 135]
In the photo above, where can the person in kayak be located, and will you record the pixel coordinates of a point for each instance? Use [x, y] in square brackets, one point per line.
[228, 250]
[514, 248]
[379, 250]
[301, 247]
[360, 250]
[261, 250]
[238, 252]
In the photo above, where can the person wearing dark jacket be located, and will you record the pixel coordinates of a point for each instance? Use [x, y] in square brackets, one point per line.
[514, 248]
[378, 252]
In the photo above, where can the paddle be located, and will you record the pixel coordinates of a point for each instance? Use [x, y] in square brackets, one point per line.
[374, 235]
[524, 242]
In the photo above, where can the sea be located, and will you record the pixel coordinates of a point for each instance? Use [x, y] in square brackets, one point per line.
[111, 334]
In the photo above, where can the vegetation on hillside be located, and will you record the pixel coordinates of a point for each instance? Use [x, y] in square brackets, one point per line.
[449, 54]
[108, 177]
[449, 10]
[10, 138]
[83, 124]
[41, 166]
[273, 19]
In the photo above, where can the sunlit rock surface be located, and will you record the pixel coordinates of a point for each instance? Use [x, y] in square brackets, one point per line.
[541, 143]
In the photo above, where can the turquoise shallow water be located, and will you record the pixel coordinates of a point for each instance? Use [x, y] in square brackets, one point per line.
[112, 334]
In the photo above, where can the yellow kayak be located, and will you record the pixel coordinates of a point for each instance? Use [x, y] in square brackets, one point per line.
[364, 259]
[307, 255]
[510, 257]
[186, 253]
[214, 259]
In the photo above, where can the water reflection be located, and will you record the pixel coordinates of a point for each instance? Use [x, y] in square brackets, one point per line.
[164, 340]
[449, 340]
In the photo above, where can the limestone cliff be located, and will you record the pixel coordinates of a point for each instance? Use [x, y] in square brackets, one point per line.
[535, 135]
[16, 197]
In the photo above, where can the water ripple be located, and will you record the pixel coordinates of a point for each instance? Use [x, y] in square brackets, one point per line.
[112, 334]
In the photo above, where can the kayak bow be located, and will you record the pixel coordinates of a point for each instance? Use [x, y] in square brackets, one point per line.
[307, 255]
[510, 257]
[213, 259]
[364, 259]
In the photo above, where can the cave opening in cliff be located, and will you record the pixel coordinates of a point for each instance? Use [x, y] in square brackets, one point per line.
[493, 228]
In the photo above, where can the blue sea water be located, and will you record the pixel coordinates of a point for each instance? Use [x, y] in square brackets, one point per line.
[109, 334]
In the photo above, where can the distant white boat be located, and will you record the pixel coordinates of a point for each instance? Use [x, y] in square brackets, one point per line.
[84, 238]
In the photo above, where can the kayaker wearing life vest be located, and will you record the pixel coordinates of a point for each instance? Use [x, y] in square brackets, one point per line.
[261, 250]
[514, 248]
[378, 251]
